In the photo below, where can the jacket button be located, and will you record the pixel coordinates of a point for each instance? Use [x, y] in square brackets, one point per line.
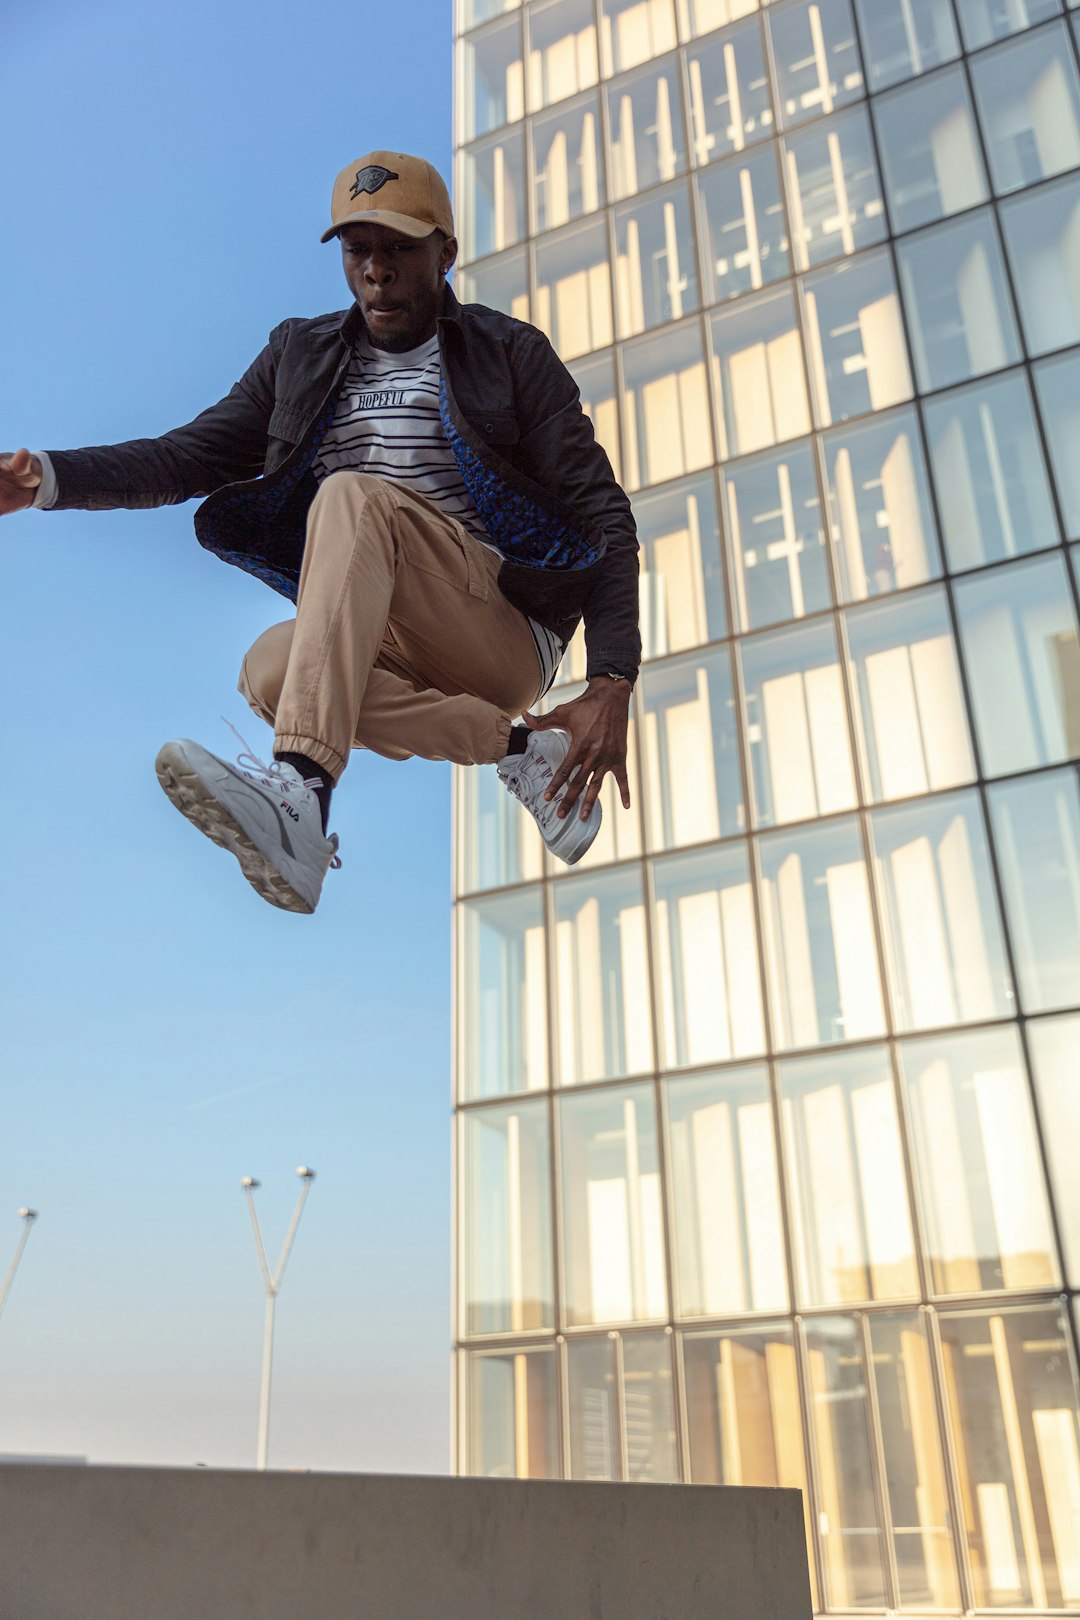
[489, 427]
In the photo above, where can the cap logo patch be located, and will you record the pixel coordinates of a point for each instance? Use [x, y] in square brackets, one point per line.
[371, 178]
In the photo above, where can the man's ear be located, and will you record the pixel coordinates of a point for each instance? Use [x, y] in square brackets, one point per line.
[449, 254]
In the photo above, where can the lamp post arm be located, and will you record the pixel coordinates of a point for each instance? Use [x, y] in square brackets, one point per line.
[260, 1246]
[291, 1233]
[24, 1239]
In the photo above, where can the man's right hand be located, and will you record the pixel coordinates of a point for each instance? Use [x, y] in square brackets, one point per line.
[20, 475]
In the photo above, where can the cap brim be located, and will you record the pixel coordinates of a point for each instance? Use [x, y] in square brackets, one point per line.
[379, 216]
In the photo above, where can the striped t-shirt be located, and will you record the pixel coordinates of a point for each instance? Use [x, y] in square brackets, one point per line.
[387, 422]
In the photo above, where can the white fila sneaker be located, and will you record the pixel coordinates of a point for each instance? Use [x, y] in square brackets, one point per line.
[528, 776]
[264, 814]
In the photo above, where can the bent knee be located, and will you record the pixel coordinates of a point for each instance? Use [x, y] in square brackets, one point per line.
[262, 673]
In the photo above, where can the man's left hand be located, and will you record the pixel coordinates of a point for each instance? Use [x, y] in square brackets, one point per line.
[597, 723]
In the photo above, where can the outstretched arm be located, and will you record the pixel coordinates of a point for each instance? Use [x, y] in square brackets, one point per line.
[20, 475]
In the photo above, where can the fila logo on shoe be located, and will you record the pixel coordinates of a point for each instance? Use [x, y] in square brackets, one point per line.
[289, 811]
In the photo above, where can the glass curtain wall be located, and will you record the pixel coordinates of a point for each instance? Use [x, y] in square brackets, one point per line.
[766, 1113]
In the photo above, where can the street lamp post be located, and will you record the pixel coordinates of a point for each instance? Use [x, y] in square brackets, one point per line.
[272, 1284]
[28, 1217]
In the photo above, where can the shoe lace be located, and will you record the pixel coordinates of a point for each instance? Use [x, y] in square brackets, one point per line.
[273, 774]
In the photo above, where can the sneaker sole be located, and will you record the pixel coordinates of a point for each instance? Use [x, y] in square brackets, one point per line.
[587, 840]
[194, 800]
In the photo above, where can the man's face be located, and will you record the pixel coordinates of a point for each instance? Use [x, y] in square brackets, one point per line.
[397, 281]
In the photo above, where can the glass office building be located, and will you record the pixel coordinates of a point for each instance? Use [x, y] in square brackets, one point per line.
[767, 1114]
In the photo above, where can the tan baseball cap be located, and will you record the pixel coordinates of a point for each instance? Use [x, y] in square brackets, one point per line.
[391, 188]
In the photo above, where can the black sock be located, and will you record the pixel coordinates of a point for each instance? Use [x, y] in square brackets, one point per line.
[519, 739]
[307, 768]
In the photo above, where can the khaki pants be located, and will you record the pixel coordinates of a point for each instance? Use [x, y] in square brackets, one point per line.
[402, 641]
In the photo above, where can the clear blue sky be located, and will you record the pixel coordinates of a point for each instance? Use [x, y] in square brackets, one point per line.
[167, 171]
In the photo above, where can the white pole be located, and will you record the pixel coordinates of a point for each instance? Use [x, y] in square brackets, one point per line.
[28, 1217]
[272, 1286]
[264, 1393]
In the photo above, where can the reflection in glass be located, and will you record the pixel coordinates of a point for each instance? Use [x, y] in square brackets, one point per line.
[985, 20]
[1013, 1400]
[1018, 632]
[880, 518]
[625, 1377]
[707, 960]
[759, 374]
[1029, 105]
[1057, 383]
[744, 243]
[978, 1170]
[943, 945]
[1042, 235]
[613, 1226]
[501, 283]
[513, 1428]
[682, 581]
[596, 382]
[930, 150]
[729, 1242]
[730, 106]
[993, 492]
[853, 1570]
[508, 1272]
[834, 192]
[665, 407]
[693, 784]
[1055, 1062]
[478, 11]
[900, 41]
[567, 169]
[1036, 826]
[649, 1407]
[910, 722]
[954, 294]
[845, 1167]
[591, 1380]
[502, 981]
[655, 278]
[819, 937]
[497, 840]
[494, 206]
[573, 289]
[645, 130]
[602, 977]
[776, 538]
[702, 16]
[633, 31]
[855, 338]
[561, 50]
[796, 723]
[491, 83]
[817, 60]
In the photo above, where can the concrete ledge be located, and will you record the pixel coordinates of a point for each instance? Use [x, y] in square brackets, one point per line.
[172, 1544]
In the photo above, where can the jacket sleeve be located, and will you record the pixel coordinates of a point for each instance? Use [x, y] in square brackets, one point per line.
[559, 449]
[223, 444]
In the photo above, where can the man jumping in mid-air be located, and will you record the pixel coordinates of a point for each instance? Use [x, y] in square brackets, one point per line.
[420, 478]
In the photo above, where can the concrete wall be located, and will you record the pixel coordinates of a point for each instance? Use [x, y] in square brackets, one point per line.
[171, 1544]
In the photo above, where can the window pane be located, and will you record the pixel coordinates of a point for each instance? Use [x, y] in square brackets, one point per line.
[573, 289]
[759, 375]
[1042, 234]
[509, 1284]
[745, 243]
[632, 31]
[498, 841]
[1037, 832]
[1013, 1399]
[645, 130]
[1058, 385]
[562, 50]
[1029, 104]
[776, 538]
[494, 203]
[655, 277]
[978, 1170]
[909, 704]
[504, 1005]
[513, 1430]
[682, 581]
[665, 407]
[478, 11]
[1018, 631]
[930, 150]
[613, 1229]
[984, 20]
[693, 783]
[567, 169]
[819, 938]
[899, 41]
[596, 382]
[954, 293]
[853, 1572]
[730, 105]
[943, 945]
[834, 192]
[501, 283]
[855, 338]
[845, 1167]
[707, 959]
[880, 518]
[649, 1408]
[702, 16]
[592, 1377]
[602, 979]
[492, 80]
[641, 1365]
[817, 60]
[796, 723]
[1055, 1059]
[993, 492]
[921, 1522]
